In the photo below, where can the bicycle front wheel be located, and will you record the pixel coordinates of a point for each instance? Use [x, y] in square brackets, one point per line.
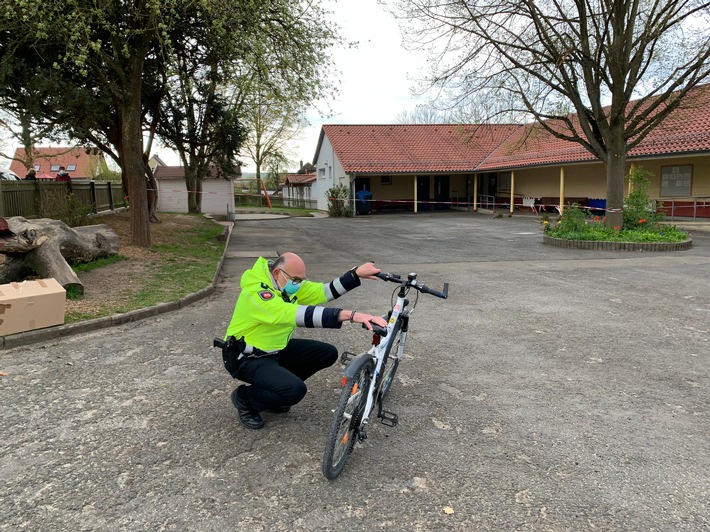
[348, 414]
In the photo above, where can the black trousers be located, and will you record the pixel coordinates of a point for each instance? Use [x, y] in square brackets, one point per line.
[277, 380]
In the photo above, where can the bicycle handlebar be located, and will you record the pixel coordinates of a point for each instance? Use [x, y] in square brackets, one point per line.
[411, 281]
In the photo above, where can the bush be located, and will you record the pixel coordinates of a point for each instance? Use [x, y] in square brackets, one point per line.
[339, 201]
[640, 211]
[64, 206]
[642, 221]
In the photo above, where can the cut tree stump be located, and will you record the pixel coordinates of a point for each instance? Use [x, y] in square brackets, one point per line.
[42, 247]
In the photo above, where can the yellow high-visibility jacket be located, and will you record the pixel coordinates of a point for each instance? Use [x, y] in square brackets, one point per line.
[266, 319]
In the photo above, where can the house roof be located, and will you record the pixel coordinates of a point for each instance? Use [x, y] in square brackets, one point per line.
[88, 165]
[686, 130]
[299, 179]
[435, 148]
[413, 148]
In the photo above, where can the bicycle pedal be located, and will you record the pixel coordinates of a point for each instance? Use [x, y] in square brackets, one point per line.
[389, 418]
[346, 357]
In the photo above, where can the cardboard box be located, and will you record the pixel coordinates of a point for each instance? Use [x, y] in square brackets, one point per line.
[31, 305]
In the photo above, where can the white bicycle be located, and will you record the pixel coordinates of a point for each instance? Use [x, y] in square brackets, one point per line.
[369, 376]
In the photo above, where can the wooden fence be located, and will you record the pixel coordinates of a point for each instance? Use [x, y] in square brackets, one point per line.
[39, 199]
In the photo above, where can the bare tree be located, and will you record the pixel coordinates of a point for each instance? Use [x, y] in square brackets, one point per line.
[602, 73]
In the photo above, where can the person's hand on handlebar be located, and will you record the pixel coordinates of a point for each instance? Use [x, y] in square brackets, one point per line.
[367, 271]
[361, 317]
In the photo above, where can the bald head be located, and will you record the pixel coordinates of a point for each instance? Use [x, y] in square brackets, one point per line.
[291, 264]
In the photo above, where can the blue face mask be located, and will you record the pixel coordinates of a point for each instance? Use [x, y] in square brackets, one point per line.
[291, 288]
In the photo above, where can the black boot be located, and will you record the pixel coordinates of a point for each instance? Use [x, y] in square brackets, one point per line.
[247, 416]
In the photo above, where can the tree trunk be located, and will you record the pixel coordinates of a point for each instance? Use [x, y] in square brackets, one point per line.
[615, 173]
[199, 184]
[193, 205]
[43, 246]
[132, 154]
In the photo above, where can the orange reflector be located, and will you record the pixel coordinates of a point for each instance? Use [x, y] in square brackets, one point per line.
[355, 388]
[346, 438]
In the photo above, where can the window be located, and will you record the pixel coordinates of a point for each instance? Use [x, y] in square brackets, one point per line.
[37, 167]
[676, 180]
[321, 173]
[386, 180]
[71, 168]
[505, 180]
[54, 168]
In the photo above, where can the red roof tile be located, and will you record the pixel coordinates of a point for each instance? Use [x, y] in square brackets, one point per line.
[414, 148]
[87, 165]
[299, 179]
[686, 130]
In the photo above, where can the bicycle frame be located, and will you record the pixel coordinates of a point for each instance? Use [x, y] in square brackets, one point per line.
[379, 354]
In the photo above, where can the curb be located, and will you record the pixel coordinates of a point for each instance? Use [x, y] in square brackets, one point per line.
[601, 245]
[61, 331]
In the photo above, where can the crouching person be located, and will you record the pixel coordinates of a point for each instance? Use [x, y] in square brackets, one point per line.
[276, 298]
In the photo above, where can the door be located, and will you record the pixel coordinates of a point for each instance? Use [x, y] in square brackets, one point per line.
[442, 196]
[363, 195]
[423, 196]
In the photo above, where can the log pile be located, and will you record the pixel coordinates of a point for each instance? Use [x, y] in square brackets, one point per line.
[42, 247]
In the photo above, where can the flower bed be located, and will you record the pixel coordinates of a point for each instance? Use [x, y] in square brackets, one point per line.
[610, 245]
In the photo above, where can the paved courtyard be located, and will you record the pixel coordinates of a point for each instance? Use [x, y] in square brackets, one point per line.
[555, 390]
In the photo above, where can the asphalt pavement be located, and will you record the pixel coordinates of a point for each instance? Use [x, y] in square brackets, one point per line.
[555, 390]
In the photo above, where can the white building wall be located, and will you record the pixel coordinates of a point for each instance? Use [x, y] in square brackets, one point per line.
[218, 196]
[326, 169]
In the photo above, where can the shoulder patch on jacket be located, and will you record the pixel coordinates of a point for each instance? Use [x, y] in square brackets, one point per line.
[266, 295]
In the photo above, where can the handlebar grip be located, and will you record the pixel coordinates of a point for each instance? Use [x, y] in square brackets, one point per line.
[389, 276]
[218, 342]
[442, 295]
[382, 331]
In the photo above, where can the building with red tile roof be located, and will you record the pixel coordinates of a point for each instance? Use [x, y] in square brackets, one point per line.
[80, 163]
[443, 165]
[296, 190]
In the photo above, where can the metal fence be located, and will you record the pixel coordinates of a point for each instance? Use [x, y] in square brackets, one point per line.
[692, 206]
[256, 200]
[39, 199]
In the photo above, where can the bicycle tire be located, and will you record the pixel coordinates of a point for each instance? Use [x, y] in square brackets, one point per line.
[348, 413]
[392, 364]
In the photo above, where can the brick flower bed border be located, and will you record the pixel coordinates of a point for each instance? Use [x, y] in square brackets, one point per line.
[617, 246]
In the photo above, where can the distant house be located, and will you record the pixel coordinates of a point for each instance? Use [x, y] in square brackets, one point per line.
[296, 188]
[217, 192]
[80, 163]
[437, 166]
[155, 161]
[296, 191]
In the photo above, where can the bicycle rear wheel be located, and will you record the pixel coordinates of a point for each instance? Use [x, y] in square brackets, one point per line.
[348, 413]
